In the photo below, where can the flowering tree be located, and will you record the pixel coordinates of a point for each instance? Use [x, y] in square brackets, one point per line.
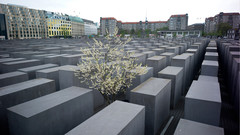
[106, 67]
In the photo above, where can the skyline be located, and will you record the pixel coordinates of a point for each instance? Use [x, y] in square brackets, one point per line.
[134, 10]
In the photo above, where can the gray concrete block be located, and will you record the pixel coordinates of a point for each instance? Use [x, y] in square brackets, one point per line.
[51, 73]
[5, 60]
[211, 49]
[183, 61]
[41, 56]
[116, 119]
[169, 57]
[139, 79]
[158, 51]
[188, 127]
[211, 56]
[31, 71]
[191, 67]
[21, 92]
[54, 59]
[140, 58]
[158, 63]
[68, 79]
[56, 113]
[13, 66]
[12, 78]
[149, 54]
[203, 103]
[174, 50]
[154, 94]
[71, 59]
[207, 78]
[209, 68]
[175, 74]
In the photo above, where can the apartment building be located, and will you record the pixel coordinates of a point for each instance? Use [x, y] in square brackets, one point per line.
[211, 23]
[178, 22]
[109, 24]
[23, 22]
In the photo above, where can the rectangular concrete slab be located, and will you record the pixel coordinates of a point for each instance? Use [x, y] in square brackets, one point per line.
[21, 92]
[209, 68]
[13, 66]
[56, 113]
[31, 71]
[12, 78]
[203, 103]
[158, 63]
[67, 79]
[116, 119]
[154, 94]
[188, 127]
[175, 74]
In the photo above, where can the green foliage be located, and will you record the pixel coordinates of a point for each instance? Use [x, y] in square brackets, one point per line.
[164, 28]
[222, 29]
[174, 34]
[132, 31]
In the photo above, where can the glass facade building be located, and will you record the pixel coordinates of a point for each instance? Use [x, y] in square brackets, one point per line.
[3, 28]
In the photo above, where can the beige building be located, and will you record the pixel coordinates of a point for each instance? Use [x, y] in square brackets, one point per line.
[77, 26]
[24, 23]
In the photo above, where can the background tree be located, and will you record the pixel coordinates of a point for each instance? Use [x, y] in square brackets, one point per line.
[132, 32]
[108, 71]
[222, 29]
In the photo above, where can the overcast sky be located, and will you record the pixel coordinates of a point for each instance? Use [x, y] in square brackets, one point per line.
[134, 10]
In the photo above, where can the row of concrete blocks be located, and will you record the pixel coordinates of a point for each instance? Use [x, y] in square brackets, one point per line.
[67, 108]
[78, 81]
[203, 100]
[230, 62]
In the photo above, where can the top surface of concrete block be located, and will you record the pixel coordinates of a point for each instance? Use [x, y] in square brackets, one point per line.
[171, 70]
[11, 74]
[19, 62]
[210, 63]
[23, 85]
[187, 127]
[109, 121]
[69, 68]
[152, 86]
[137, 55]
[156, 58]
[202, 90]
[34, 68]
[211, 54]
[29, 108]
[168, 54]
[181, 57]
[207, 78]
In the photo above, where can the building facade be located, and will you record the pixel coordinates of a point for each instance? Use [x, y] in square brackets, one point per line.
[77, 26]
[211, 23]
[109, 24]
[90, 28]
[59, 25]
[23, 22]
[3, 28]
[178, 22]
